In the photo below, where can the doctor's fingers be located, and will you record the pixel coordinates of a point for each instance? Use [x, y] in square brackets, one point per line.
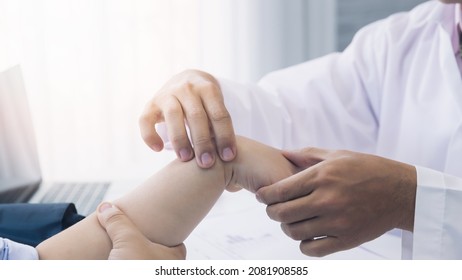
[176, 129]
[151, 115]
[308, 229]
[218, 116]
[305, 208]
[322, 246]
[298, 185]
[318, 236]
[221, 123]
[198, 122]
[209, 123]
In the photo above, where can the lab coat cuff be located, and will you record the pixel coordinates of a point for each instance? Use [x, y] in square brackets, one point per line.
[429, 213]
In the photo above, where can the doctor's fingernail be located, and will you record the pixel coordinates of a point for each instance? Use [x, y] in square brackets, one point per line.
[104, 206]
[206, 159]
[185, 154]
[227, 154]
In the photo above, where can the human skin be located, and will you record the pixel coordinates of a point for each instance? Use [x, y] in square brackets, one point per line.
[347, 198]
[341, 181]
[195, 97]
[128, 243]
[170, 204]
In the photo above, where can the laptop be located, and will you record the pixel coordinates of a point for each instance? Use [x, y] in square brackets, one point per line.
[20, 173]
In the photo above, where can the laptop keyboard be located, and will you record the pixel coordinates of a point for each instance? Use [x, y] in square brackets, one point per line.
[85, 196]
[18, 195]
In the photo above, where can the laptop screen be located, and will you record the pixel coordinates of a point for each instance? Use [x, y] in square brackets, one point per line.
[19, 164]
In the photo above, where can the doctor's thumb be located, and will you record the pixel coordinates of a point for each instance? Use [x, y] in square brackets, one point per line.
[118, 226]
[306, 157]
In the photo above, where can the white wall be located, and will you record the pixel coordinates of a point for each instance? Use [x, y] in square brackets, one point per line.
[354, 14]
[245, 39]
[91, 65]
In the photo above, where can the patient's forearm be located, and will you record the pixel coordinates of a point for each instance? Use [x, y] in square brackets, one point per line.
[166, 208]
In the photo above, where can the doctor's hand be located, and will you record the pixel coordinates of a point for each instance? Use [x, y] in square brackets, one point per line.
[191, 98]
[341, 199]
[128, 242]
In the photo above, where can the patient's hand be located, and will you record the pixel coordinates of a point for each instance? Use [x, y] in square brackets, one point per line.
[128, 243]
[257, 165]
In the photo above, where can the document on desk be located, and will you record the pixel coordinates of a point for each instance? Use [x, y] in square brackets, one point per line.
[238, 228]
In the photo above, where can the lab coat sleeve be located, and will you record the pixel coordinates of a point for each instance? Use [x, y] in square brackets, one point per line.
[329, 102]
[336, 102]
[437, 224]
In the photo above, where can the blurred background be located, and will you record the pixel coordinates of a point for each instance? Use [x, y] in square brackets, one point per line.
[91, 65]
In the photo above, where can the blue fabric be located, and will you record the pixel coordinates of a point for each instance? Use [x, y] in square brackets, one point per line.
[32, 223]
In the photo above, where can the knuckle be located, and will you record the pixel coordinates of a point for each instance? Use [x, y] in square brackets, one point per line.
[178, 140]
[277, 213]
[202, 142]
[282, 193]
[177, 90]
[172, 109]
[325, 175]
[219, 115]
[186, 87]
[342, 225]
[114, 219]
[197, 88]
[327, 170]
[209, 87]
[147, 117]
[195, 113]
[313, 154]
[322, 203]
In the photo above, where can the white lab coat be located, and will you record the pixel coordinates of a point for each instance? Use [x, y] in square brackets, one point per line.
[396, 91]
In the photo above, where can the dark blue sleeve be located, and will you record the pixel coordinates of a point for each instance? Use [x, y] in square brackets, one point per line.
[32, 223]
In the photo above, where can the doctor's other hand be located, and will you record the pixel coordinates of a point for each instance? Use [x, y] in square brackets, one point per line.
[341, 199]
[191, 98]
[128, 243]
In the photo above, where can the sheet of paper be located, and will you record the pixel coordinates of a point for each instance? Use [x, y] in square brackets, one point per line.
[238, 228]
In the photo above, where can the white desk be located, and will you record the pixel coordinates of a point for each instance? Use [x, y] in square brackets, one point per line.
[238, 228]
